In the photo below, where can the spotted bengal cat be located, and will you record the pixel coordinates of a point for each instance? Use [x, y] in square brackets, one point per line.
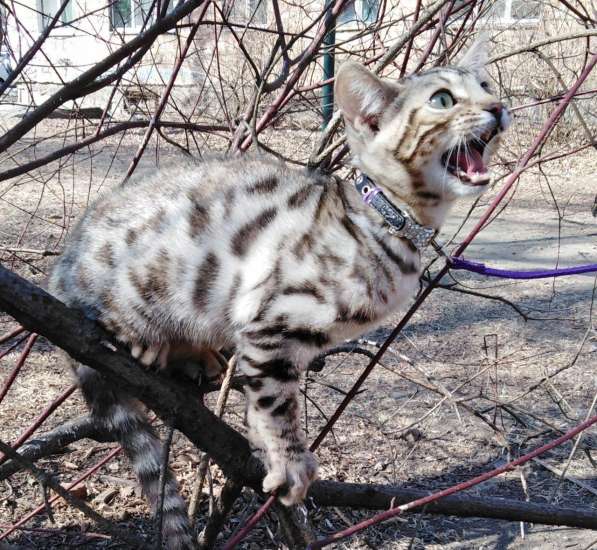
[278, 264]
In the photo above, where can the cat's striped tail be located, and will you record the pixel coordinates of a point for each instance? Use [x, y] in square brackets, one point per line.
[120, 414]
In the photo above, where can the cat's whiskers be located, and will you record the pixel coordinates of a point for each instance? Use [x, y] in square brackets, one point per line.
[447, 155]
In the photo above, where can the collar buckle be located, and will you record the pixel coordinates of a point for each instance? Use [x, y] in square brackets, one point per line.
[419, 235]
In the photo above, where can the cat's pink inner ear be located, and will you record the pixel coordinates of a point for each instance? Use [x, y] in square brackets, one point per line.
[361, 95]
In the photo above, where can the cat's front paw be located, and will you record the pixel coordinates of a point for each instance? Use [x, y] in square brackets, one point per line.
[292, 477]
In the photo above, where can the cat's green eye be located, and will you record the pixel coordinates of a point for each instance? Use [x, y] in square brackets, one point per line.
[442, 100]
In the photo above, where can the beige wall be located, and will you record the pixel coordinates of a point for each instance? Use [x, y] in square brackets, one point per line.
[74, 49]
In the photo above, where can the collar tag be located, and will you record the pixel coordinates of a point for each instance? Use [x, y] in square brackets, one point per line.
[401, 224]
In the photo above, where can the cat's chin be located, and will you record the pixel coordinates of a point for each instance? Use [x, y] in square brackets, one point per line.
[461, 189]
[452, 188]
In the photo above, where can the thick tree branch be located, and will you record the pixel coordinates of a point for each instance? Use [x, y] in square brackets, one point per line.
[47, 481]
[55, 441]
[85, 341]
[383, 497]
[88, 343]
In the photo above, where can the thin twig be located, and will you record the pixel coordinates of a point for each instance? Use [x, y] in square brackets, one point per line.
[229, 493]
[204, 464]
[46, 480]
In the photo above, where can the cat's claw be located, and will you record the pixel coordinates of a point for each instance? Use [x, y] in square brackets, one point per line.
[155, 354]
[292, 478]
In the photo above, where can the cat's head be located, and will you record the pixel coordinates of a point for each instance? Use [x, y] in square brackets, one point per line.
[427, 137]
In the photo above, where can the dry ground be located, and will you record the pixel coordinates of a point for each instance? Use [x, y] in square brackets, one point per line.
[481, 350]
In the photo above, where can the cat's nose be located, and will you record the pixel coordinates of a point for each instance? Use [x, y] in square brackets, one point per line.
[496, 110]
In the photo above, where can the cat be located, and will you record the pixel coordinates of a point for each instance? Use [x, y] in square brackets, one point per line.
[277, 264]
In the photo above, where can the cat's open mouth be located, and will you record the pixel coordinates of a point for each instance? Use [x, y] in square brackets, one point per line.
[466, 162]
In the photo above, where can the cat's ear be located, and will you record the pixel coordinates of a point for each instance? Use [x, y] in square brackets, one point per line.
[362, 96]
[477, 55]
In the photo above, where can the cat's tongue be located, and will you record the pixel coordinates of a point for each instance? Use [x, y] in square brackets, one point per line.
[470, 162]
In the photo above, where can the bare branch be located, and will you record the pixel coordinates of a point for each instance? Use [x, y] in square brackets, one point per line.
[86, 82]
[56, 441]
[47, 481]
[540, 43]
[379, 497]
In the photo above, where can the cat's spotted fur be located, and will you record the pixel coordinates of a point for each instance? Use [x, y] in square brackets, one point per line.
[277, 264]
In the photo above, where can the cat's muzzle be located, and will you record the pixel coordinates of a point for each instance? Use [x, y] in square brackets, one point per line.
[466, 161]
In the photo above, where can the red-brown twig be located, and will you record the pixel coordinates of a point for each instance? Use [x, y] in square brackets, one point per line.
[11, 335]
[70, 486]
[41, 419]
[436, 34]
[253, 520]
[410, 42]
[48, 482]
[15, 371]
[454, 489]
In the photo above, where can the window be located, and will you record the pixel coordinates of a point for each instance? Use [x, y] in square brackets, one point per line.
[508, 12]
[5, 68]
[348, 13]
[129, 14]
[132, 14]
[525, 10]
[249, 11]
[369, 9]
[49, 8]
[2, 28]
[363, 11]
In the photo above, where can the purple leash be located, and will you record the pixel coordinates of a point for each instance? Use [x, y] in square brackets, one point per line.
[476, 267]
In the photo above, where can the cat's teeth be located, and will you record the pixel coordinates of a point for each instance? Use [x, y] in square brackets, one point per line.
[476, 178]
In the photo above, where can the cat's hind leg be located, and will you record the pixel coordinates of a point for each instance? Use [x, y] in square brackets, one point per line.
[120, 414]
